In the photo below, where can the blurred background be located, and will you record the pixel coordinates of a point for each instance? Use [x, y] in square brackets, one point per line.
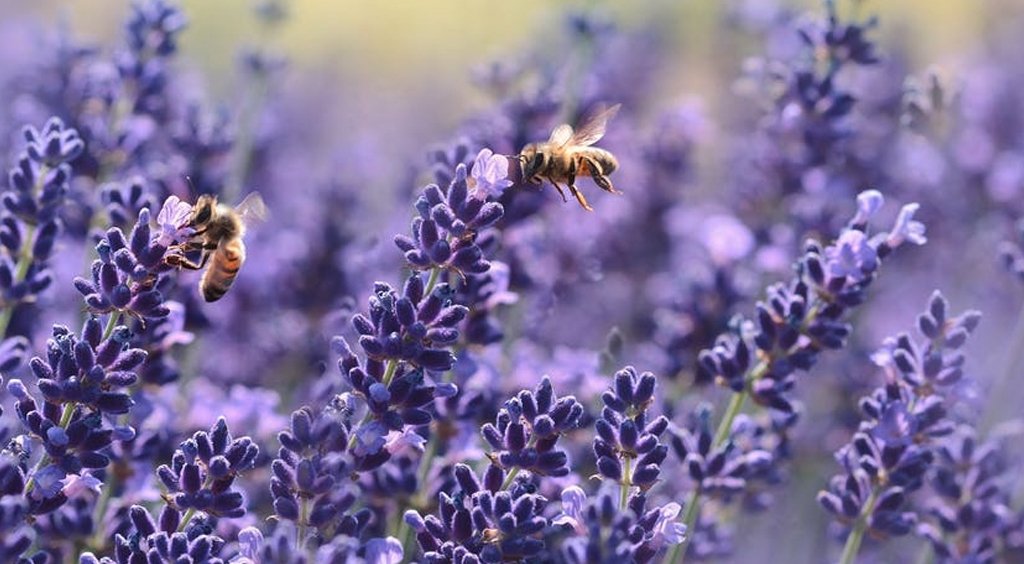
[366, 57]
[371, 89]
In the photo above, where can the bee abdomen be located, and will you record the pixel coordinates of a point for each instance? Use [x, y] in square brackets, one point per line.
[222, 271]
[604, 159]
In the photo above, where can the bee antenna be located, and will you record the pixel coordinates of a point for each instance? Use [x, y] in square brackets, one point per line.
[192, 188]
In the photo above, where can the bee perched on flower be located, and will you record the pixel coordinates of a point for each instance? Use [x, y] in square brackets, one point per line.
[216, 233]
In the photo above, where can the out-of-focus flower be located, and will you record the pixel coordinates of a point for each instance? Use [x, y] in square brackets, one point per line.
[384, 551]
[890, 455]
[851, 256]
[29, 213]
[573, 500]
[907, 229]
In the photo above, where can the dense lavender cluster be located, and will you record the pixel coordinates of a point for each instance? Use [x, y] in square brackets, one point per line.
[469, 370]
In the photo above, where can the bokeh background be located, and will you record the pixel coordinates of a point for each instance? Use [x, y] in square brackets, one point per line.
[371, 88]
[366, 57]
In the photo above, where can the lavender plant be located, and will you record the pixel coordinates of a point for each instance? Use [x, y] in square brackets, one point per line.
[467, 370]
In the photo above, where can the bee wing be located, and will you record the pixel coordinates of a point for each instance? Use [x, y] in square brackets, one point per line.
[593, 126]
[252, 209]
[561, 135]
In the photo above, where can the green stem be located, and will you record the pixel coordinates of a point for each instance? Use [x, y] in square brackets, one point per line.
[725, 427]
[65, 420]
[508, 479]
[692, 510]
[435, 274]
[424, 470]
[389, 372]
[678, 552]
[185, 518]
[627, 481]
[301, 530]
[97, 541]
[857, 533]
[111, 323]
[24, 262]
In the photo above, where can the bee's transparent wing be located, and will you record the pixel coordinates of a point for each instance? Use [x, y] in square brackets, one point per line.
[252, 210]
[561, 135]
[593, 126]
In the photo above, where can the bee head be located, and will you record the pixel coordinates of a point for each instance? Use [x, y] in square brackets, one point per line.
[532, 161]
[202, 212]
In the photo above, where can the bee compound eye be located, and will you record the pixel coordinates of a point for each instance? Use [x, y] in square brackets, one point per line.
[535, 163]
[202, 215]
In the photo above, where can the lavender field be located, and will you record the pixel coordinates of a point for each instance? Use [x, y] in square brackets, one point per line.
[791, 328]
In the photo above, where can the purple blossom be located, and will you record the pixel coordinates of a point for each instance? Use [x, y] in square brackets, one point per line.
[384, 551]
[907, 229]
[173, 222]
[573, 499]
[125, 276]
[740, 256]
[666, 529]
[851, 256]
[489, 178]
[868, 204]
[250, 540]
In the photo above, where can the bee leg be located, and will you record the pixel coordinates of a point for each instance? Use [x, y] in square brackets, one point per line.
[560, 191]
[571, 181]
[179, 261]
[597, 173]
[176, 257]
[579, 197]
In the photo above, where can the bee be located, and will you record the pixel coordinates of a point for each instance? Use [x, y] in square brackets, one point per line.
[568, 154]
[218, 234]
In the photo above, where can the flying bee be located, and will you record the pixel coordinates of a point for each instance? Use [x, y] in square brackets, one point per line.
[218, 234]
[568, 154]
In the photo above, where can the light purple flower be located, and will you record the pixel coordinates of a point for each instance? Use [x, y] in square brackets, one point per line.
[907, 229]
[370, 438]
[406, 441]
[500, 278]
[883, 357]
[573, 501]
[78, 484]
[250, 541]
[490, 175]
[174, 327]
[868, 204]
[384, 551]
[851, 256]
[49, 480]
[666, 529]
[172, 220]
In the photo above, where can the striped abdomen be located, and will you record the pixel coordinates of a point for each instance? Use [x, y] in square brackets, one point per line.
[227, 259]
